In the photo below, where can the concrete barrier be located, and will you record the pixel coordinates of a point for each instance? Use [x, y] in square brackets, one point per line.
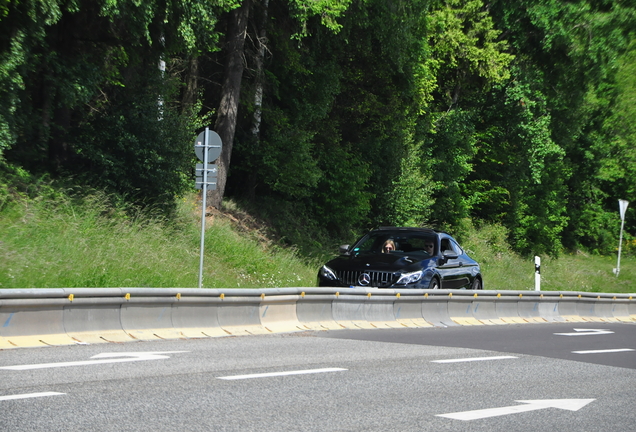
[197, 316]
[435, 309]
[586, 309]
[349, 311]
[568, 307]
[620, 310]
[94, 323]
[315, 312]
[460, 308]
[407, 310]
[379, 310]
[278, 313]
[529, 307]
[241, 315]
[631, 307]
[549, 306]
[93, 316]
[40, 317]
[507, 307]
[32, 322]
[484, 308]
[600, 307]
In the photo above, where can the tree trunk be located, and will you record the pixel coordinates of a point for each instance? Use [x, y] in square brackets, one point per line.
[192, 85]
[259, 60]
[230, 94]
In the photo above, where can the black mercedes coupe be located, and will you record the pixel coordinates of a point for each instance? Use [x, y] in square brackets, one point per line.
[391, 257]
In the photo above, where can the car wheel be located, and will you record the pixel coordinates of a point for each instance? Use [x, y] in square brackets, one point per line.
[434, 284]
[476, 284]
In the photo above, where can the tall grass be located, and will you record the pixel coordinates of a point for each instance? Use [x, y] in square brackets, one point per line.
[71, 242]
[504, 270]
[61, 240]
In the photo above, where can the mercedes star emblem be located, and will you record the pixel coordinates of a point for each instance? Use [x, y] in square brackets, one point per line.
[364, 279]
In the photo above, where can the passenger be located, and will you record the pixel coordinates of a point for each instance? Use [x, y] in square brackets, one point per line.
[389, 246]
[429, 247]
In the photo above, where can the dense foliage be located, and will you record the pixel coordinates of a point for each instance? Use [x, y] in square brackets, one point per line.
[351, 113]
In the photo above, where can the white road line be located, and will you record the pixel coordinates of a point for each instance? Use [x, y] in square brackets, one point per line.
[29, 395]
[276, 374]
[103, 359]
[472, 359]
[603, 351]
[586, 332]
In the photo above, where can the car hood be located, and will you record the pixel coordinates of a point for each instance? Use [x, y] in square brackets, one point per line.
[379, 262]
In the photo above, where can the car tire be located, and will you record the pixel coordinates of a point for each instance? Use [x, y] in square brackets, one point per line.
[476, 284]
[434, 284]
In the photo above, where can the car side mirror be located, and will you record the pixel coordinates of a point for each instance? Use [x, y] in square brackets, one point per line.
[344, 249]
[449, 254]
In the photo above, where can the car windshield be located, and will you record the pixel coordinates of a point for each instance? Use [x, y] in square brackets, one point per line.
[396, 242]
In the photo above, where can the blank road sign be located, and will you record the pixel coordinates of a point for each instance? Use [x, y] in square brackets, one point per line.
[214, 146]
[211, 183]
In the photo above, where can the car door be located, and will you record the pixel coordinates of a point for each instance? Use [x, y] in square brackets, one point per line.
[453, 268]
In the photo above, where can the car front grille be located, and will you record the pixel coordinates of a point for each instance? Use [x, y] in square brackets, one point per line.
[376, 278]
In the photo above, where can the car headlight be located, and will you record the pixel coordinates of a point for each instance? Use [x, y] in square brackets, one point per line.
[327, 273]
[409, 278]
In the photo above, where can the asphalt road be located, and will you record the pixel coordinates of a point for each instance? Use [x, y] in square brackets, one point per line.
[487, 378]
[562, 341]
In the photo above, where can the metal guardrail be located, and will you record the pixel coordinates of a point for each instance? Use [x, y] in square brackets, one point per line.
[39, 317]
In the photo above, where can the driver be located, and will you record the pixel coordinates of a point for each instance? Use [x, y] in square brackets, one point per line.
[389, 246]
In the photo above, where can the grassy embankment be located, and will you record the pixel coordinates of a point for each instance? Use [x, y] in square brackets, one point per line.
[65, 242]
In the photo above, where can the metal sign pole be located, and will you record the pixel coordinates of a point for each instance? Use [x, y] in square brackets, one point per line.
[204, 203]
[622, 205]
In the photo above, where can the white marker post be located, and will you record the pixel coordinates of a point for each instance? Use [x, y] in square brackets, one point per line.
[622, 204]
[537, 273]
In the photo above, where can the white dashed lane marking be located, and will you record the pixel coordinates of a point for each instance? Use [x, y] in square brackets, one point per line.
[29, 395]
[277, 374]
[473, 359]
[603, 351]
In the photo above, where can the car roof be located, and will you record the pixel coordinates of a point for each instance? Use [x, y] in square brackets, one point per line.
[408, 229]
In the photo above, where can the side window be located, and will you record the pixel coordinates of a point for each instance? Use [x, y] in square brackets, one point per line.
[446, 245]
[457, 247]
